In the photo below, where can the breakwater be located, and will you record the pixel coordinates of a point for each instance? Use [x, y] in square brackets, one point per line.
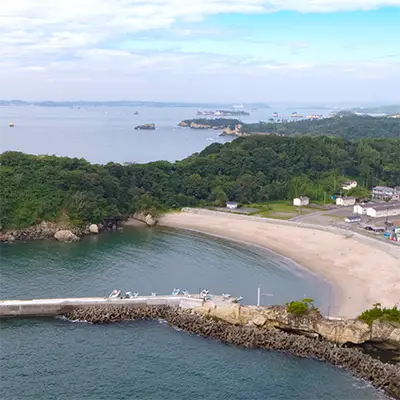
[382, 376]
[54, 307]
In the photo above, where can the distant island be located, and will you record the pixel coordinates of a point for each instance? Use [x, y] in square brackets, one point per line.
[149, 127]
[209, 123]
[389, 109]
[223, 113]
[126, 103]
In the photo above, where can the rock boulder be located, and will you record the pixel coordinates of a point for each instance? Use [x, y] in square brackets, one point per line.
[150, 220]
[147, 218]
[93, 228]
[65, 236]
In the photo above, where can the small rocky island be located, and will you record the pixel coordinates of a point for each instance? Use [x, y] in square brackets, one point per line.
[229, 126]
[149, 127]
[209, 123]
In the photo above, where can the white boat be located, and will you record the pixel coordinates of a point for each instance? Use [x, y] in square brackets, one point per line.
[176, 291]
[115, 294]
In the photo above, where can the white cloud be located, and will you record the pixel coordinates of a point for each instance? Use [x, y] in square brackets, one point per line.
[67, 40]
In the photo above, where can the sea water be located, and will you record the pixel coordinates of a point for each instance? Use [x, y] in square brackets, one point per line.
[50, 358]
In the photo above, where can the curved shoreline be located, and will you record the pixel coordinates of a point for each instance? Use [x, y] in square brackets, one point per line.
[335, 294]
[361, 273]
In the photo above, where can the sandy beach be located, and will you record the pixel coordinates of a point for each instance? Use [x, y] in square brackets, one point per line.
[362, 271]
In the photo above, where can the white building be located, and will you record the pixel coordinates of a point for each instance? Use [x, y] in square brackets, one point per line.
[231, 205]
[345, 201]
[385, 192]
[361, 209]
[349, 185]
[384, 210]
[353, 219]
[301, 201]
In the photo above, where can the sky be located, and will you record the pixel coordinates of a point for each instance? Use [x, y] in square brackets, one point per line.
[299, 51]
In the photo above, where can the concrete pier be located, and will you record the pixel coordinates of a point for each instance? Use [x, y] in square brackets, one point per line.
[53, 307]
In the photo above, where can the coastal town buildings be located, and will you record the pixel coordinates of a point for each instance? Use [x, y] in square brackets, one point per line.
[349, 185]
[345, 201]
[361, 209]
[301, 201]
[385, 192]
[384, 210]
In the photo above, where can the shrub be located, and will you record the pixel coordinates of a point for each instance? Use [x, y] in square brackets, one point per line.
[377, 312]
[300, 308]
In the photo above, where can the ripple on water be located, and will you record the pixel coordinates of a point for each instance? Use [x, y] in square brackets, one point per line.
[53, 359]
[149, 360]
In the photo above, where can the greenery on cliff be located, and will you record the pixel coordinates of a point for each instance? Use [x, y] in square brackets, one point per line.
[301, 308]
[380, 313]
[248, 170]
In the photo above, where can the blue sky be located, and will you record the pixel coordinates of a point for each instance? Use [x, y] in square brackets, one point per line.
[202, 50]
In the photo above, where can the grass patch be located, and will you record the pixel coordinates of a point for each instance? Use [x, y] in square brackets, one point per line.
[280, 209]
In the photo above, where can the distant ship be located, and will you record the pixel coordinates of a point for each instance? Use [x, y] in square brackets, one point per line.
[11, 124]
[315, 116]
[238, 106]
[275, 115]
[295, 114]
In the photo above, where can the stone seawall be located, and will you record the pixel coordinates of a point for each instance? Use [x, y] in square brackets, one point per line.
[382, 376]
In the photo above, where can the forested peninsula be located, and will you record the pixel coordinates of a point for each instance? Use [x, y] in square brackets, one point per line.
[345, 124]
[247, 170]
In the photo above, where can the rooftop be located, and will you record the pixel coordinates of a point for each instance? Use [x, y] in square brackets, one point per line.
[387, 206]
[382, 188]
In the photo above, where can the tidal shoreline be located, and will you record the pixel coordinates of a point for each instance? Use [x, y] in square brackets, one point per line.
[362, 273]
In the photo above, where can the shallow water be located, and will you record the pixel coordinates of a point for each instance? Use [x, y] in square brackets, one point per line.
[56, 359]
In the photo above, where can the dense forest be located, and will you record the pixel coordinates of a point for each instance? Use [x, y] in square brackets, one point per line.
[251, 169]
[346, 125]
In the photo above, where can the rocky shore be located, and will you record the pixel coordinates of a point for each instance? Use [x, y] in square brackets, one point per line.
[45, 230]
[64, 232]
[382, 376]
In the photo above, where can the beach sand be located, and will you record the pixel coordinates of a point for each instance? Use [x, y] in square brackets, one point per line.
[362, 271]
